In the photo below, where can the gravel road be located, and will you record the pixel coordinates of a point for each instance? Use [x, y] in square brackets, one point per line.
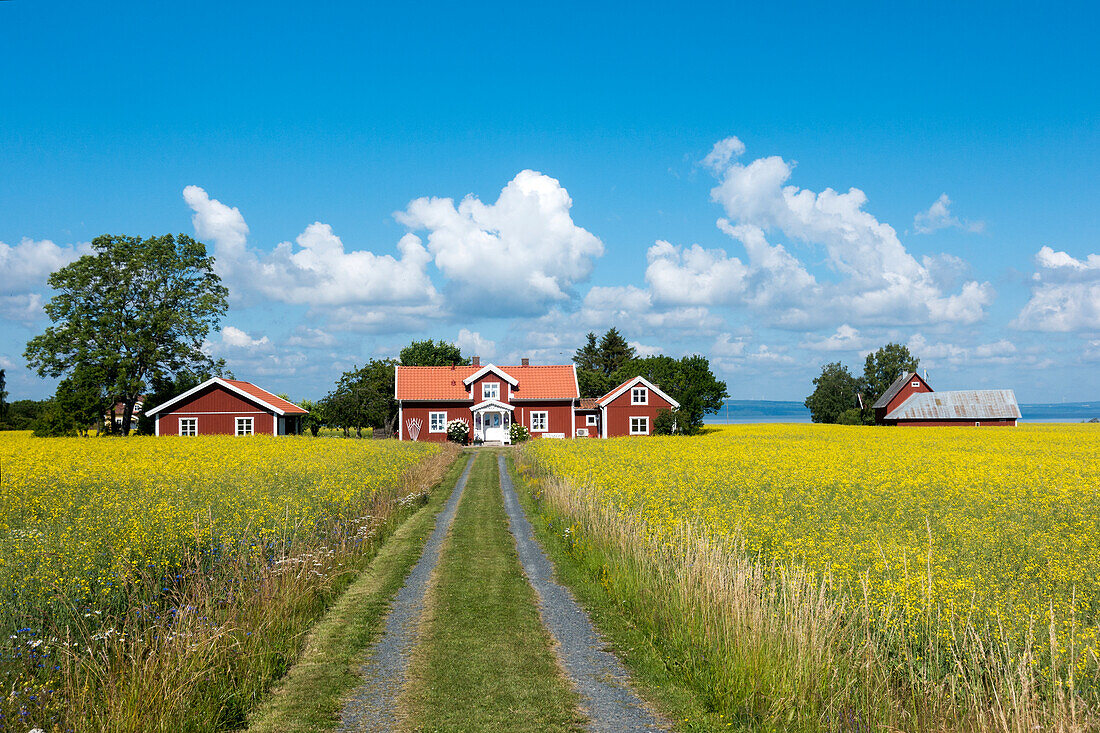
[600, 677]
[373, 706]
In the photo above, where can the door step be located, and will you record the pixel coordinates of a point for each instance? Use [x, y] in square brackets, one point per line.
[488, 443]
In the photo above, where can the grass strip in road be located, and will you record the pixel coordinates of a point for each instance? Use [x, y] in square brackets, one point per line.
[310, 697]
[485, 661]
[652, 664]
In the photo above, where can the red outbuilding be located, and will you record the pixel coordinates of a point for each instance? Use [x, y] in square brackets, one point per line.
[632, 407]
[227, 407]
[910, 401]
[544, 399]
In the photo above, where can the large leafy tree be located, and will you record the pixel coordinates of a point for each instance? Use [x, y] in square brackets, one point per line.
[834, 393]
[882, 367]
[134, 311]
[363, 397]
[689, 381]
[597, 360]
[430, 353]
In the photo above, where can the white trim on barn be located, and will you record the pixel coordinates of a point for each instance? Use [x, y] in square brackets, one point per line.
[223, 383]
[495, 370]
[608, 399]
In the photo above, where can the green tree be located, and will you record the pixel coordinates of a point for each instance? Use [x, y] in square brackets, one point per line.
[664, 423]
[689, 381]
[22, 414]
[316, 417]
[597, 360]
[430, 353]
[881, 368]
[363, 397]
[135, 310]
[614, 352]
[834, 393]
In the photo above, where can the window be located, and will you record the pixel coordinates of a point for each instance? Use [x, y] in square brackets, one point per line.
[590, 420]
[490, 390]
[639, 396]
[244, 426]
[437, 422]
[977, 424]
[915, 384]
[189, 426]
[539, 421]
[639, 426]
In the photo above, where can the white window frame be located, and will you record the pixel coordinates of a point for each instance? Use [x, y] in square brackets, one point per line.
[251, 426]
[442, 415]
[496, 391]
[540, 417]
[590, 420]
[194, 424]
[634, 394]
[914, 384]
[645, 422]
[977, 424]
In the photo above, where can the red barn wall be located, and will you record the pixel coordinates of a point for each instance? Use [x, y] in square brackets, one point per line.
[559, 419]
[619, 412]
[905, 393]
[582, 422]
[216, 410]
[998, 422]
[455, 410]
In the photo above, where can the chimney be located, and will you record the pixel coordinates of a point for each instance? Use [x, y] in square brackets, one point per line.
[475, 361]
[525, 361]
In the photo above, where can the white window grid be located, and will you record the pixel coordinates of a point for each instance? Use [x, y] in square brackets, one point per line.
[639, 426]
[539, 421]
[189, 426]
[437, 422]
[590, 420]
[245, 425]
[639, 396]
[490, 390]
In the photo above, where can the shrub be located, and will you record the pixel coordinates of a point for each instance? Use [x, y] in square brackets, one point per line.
[664, 423]
[850, 417]
[458, 431]
[518, 433]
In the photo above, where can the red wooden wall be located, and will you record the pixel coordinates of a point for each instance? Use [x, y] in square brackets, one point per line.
[216, 410]
[620, 411]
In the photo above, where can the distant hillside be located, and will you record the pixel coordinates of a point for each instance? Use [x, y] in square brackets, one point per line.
[753, 411]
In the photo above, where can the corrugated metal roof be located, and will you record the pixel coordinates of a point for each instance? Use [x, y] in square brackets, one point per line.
[893, 390]
[553, 382]
[967, 404]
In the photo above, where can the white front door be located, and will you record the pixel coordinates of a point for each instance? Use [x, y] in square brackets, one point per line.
[493, 426]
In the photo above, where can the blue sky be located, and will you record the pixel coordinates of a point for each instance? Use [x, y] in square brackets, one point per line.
[774, 187]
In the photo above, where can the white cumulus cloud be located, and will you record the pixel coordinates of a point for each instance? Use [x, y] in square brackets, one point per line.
[938, 216]
[1065, 294]
[525, 248]
[473, 343]
[235, 338]
[845, 338]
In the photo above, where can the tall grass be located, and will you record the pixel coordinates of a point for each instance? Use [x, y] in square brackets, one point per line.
[773, 646]
[194, 649]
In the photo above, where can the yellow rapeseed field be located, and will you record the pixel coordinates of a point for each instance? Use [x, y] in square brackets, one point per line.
[99, 534]
[992, 529]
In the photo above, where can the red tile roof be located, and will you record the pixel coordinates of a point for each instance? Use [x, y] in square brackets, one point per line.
[445, 383]
[262, 394]
[589, 403]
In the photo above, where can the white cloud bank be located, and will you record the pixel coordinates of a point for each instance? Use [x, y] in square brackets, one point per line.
[24, 269]
[1065, 294]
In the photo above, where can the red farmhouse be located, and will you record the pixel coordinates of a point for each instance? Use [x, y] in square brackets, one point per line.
[545, 399]
[227, 407]
[911, 401]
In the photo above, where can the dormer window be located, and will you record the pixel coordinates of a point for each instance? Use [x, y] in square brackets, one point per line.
[639, 396]
[490, 390]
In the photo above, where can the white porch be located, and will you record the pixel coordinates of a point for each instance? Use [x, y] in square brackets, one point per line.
[492, 422]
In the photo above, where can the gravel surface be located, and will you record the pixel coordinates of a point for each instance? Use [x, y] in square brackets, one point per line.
[373, 706]
[600, 677]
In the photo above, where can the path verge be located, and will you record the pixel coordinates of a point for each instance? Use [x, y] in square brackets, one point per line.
[485, 661]
[601, 679]
[309, 698]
